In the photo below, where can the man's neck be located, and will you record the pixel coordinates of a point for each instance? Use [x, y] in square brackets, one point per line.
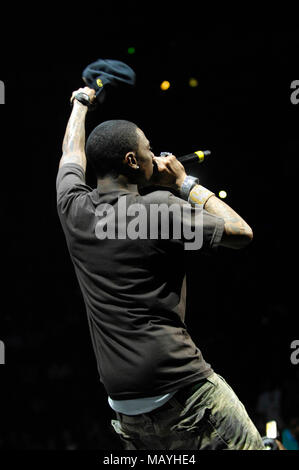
[110, 183]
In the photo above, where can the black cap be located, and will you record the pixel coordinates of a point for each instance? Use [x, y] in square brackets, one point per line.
[103, 72]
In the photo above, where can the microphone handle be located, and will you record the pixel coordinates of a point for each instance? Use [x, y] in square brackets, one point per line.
[195, 157]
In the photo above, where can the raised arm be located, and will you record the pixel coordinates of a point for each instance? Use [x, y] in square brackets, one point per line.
[73, 147]
[237, 233]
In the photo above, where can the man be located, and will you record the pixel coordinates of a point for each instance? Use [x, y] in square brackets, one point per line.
[164, 394]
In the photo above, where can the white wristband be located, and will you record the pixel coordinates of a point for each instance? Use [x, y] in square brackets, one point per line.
[188, 183]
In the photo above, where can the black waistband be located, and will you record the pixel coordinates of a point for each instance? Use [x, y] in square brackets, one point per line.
[181, 396]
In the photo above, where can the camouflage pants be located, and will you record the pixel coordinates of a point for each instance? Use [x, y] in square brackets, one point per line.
[210, 418]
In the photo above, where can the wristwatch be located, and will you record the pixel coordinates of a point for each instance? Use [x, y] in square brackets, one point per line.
[188, 183]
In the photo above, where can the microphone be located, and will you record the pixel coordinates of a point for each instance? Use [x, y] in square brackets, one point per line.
[195, 157]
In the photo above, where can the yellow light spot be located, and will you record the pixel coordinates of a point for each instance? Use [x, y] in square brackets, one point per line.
[193, 82]
[165, 85]
[99, 83]
[222, 194]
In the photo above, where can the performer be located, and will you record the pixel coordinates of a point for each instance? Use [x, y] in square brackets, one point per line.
[165, 395]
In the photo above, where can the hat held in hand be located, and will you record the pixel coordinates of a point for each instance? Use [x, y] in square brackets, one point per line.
[105, 72]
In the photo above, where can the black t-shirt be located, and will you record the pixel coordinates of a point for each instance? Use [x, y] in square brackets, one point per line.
[133, 289]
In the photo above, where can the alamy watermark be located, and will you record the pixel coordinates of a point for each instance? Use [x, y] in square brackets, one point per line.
[150, 221]
[295, 354]
[2, 352]
[295, 94]
[2, 92]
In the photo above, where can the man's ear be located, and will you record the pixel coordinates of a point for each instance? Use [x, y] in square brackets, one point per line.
[130, 160]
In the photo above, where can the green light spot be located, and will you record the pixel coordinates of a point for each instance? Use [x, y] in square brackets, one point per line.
[131, 50]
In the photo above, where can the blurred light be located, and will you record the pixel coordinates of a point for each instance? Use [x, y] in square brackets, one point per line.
[131, 50]
[271, 429]
[165, 85]
[222, 194]
[193, 82]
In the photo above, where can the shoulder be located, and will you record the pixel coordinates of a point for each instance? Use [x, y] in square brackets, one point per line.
[70, 183]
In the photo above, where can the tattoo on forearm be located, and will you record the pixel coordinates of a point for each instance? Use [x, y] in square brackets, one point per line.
[233, 223]
[74, 138]
[75, 132]
[199, 195]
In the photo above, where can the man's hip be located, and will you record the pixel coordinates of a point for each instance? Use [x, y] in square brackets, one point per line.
[207, 415]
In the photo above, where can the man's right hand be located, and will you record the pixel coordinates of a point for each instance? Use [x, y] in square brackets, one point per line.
[90, 92]
[169, 172]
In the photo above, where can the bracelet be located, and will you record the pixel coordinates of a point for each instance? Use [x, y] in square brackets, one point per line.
[199, 195]
[84, 99]
[188, 183]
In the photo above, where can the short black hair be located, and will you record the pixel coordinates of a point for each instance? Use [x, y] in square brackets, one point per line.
[108, 144]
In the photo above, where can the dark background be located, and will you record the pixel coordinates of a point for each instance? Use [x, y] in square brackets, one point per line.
[242, 306]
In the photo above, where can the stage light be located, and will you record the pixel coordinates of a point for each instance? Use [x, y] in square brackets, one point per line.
[193, 82]
[131, 50]
[165, 85]
[222, 194]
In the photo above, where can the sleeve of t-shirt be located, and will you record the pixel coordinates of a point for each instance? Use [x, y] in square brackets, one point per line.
[70, 184]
